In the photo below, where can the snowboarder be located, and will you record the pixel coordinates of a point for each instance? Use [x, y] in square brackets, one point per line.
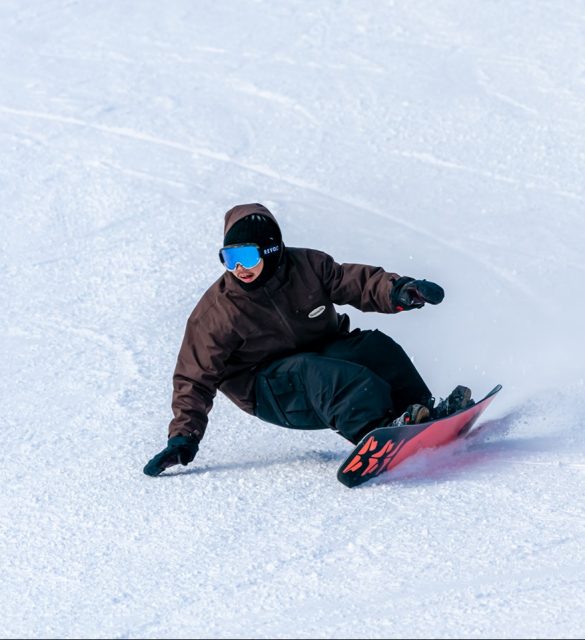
[267, 335]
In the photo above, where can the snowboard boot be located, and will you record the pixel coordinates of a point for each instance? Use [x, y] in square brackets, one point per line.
[414, 414]
[459, 398]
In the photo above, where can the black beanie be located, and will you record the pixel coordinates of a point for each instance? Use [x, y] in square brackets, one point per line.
[255, 228]
[264, 232]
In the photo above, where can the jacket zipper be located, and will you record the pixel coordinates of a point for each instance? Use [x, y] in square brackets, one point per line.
[281, 315]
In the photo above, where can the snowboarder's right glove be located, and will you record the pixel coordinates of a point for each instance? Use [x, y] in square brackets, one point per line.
[179, 450]
[408, 293]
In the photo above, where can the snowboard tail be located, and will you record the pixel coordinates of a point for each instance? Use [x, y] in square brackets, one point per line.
[386, 447]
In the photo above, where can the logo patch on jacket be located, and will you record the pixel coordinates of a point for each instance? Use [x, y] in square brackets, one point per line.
[317, 312]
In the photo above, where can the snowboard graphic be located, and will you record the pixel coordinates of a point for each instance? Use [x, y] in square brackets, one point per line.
[384, 448]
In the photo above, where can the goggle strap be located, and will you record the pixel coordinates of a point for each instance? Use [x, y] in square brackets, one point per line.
[270, 250]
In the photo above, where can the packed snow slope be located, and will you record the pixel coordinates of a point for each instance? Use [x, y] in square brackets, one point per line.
[440, 139]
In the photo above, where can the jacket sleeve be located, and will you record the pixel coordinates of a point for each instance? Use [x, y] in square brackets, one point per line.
[362, 286]
[199, 370]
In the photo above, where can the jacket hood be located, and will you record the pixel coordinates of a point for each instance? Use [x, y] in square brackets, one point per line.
[235, 214]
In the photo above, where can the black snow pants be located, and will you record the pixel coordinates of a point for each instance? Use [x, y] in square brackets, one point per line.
[351, 385]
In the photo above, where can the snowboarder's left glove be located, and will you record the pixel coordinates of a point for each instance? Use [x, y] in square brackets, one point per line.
[409, 293]
[179, 450]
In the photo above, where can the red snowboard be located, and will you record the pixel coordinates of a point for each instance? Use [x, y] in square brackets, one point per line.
[384, 448]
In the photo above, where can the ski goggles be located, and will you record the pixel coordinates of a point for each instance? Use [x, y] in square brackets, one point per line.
[247, 255]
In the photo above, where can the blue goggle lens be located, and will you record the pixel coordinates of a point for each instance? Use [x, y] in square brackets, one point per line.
[248, 255]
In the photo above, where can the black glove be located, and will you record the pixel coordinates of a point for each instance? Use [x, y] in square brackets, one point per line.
[179, 450]
[409, 293]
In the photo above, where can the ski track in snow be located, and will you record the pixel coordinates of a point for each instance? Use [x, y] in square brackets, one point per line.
[437, 139]
[295, 182]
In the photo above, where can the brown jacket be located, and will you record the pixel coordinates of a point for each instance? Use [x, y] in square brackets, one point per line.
[232, 331]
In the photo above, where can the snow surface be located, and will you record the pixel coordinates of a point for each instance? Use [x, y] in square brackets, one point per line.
[442, 139]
